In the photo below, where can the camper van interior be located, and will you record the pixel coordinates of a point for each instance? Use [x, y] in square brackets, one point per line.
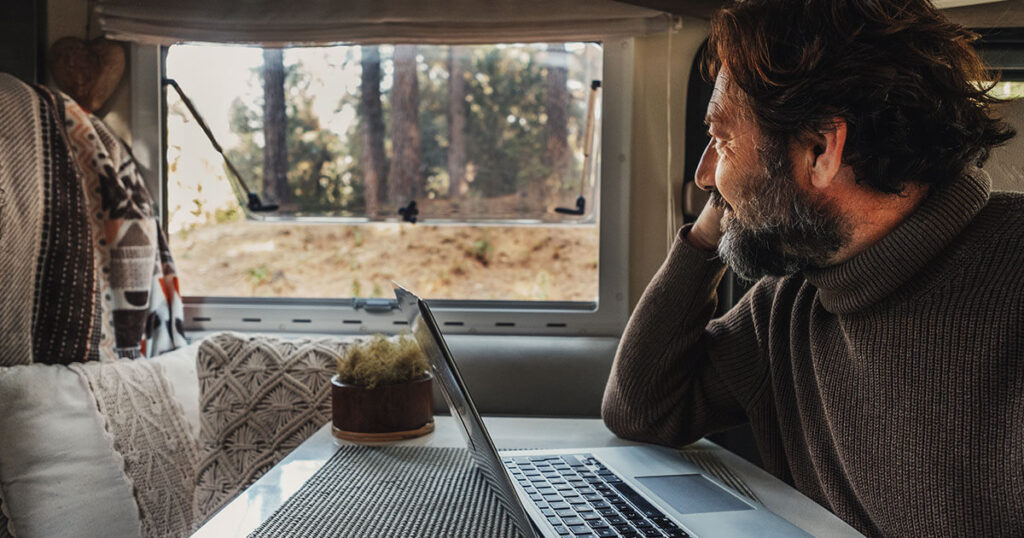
[342, 268]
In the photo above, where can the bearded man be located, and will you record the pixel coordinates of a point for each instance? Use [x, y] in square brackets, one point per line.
[879, 358]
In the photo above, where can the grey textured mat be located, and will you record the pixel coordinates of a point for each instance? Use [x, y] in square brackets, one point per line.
[390, 492]
[411, 491]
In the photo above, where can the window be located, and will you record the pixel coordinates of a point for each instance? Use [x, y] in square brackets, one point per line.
[1008, 89]
[511, 223]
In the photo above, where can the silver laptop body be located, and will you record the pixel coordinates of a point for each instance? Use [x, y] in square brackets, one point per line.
[607, 491]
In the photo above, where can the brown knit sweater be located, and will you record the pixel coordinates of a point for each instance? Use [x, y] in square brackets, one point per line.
[888, 388]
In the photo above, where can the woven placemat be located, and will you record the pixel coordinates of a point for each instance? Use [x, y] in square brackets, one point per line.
[390, 492]
[412, 491]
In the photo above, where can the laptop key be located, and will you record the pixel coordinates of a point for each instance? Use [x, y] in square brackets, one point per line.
[560, 505]
[664, 523]
[605, 532]
[562, 531]
[639, 502]
[571, 459]
[614, 520]
[597, 524]
[677, 533]
[633, 517]
[565, 513]
[579, 529]
[651, 532]
[573, 520]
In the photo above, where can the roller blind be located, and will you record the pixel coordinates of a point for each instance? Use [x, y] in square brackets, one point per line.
[276, 22]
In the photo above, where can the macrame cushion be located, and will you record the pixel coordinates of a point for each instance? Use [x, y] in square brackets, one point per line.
[260, 398]
[98, 449]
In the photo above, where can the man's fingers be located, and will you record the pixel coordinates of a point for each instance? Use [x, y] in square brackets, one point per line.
[707, 230]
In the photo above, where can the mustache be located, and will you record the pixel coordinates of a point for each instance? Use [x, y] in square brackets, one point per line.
[717, 201]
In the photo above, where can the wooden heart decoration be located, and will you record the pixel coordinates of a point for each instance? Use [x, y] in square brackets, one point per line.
[88, 71]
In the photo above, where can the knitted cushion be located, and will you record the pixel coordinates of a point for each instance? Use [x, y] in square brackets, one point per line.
[97, 449]
[260, 397]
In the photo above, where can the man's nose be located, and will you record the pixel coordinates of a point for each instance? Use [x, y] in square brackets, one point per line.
[705, 174]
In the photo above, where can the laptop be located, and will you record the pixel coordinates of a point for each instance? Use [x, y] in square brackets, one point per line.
[637, 491]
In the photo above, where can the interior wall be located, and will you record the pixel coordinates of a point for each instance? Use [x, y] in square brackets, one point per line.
[661, 73]
[69, 18]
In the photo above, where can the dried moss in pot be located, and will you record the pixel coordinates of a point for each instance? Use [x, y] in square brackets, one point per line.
[382, 361]
[382, 391]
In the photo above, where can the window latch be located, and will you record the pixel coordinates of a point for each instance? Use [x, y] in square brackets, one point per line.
[376, 306]
[588, 143]
[409, 212]
[254, 203]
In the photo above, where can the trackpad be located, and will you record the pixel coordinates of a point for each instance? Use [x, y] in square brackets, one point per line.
[692, 494]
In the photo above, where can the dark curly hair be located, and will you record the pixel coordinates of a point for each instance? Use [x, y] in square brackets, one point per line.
[906, 80]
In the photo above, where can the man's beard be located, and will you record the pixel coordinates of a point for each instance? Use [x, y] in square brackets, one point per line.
[782, 229]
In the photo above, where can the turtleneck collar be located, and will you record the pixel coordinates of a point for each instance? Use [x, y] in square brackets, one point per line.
[880, 270]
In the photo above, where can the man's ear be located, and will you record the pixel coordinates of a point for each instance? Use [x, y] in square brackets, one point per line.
[827, 155]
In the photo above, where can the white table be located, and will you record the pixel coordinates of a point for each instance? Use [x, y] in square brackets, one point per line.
[243, 514]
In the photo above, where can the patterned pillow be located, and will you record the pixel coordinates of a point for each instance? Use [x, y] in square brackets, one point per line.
[260, 398]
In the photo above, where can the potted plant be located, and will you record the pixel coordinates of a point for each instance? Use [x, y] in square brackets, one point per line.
[382, 391]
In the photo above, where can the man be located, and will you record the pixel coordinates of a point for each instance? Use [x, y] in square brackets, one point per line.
[880, 357]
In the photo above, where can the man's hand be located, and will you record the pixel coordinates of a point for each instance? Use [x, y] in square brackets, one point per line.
[706, 232]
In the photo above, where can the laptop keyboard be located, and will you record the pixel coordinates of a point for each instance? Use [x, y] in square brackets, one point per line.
[580, 497]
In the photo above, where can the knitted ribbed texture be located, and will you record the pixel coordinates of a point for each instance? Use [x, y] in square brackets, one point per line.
[398, 491]
[888, 388]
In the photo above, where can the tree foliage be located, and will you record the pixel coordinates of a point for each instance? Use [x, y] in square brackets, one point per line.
[503, 99]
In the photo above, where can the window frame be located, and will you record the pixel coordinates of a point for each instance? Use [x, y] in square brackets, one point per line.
[605, 317]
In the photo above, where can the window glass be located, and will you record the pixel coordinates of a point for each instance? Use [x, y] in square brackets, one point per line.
[1007, 89]
[487, 141]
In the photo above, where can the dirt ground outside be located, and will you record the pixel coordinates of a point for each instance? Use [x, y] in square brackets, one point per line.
[258, 259]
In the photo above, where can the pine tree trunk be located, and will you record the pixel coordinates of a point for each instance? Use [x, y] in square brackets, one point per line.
[556, 103]
[456, 123]
[275, 129]
[372, 127]
[404, 178]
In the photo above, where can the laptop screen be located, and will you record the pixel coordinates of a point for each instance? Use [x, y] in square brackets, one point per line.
[485, 456]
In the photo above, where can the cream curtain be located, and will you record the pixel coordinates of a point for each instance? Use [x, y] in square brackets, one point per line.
[283, 22]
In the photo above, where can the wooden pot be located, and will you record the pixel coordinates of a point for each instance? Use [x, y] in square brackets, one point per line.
[384, 413]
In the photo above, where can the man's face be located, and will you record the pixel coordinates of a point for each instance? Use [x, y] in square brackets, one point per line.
[771, 224]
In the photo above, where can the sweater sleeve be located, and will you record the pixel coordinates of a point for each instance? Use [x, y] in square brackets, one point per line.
[664, 386]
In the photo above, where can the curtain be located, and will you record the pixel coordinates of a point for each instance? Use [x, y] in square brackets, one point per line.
[277, 23]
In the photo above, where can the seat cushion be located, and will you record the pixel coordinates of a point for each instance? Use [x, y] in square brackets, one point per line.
[260, 397]
[97, 449]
